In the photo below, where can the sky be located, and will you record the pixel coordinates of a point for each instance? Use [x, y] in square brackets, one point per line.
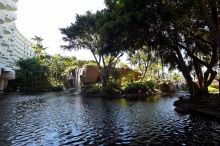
[44, 18]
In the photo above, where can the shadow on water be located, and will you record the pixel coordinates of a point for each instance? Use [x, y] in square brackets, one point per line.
[58, 119]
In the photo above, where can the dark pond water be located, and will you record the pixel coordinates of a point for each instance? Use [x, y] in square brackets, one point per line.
[53, 119]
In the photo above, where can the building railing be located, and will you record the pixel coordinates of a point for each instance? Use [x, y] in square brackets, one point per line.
[11, 5]
[1, 33]
[4, 42]
[2, 4]
[6, 30]
[10, 16]
[2, 17]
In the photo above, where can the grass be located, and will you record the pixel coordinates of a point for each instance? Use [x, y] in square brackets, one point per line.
[211, 89]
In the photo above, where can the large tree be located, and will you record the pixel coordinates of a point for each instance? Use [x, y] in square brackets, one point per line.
[32, 74]
[176, 29]
[85, 33]
[145, 61]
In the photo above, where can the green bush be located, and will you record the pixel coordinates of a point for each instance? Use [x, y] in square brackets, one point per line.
[94, 88]
[129, 78]
[113, 86]
[214, 86]
[57, 88]
[138, 86]
[90, 64]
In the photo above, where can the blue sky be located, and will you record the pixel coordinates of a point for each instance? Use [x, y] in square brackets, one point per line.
[45, 17]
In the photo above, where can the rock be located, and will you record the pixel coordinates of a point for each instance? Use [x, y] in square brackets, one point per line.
[90, 75]
[167, 88]
[123, 72]
[184, 105]
[184, 108]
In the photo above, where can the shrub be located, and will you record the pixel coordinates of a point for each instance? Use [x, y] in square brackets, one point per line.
[215, 85]
[94, 88]
[90, 64]
[57, 88]
[138, 86]
[129, 77]
[150, 84]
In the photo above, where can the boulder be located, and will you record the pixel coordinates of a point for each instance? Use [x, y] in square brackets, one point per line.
[184, 106]
[90, 74]
[167, 88]
[123, 72]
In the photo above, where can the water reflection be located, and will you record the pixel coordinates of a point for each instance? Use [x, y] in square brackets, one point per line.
[52, 119]
[153, 99]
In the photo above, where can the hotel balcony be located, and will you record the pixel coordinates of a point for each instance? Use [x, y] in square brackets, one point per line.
[7, 69]
[5, 42]
[2, 62]
[14, 16]
[2, 18]
[11, 5]
[8, 17]
[12, 38]
[6, 30]
[1, 33]
[5, 57]
[13, 27]
[2, 4]
[9, 50]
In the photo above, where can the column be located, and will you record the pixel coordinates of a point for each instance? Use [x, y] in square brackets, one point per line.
[5, 83]
[2, 84]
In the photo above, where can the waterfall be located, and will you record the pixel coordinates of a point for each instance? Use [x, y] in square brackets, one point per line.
[77, 81]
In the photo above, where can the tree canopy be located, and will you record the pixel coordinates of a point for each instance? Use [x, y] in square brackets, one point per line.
[184, 34]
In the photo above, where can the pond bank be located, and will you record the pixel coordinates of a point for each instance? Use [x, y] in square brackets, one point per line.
[208, 106]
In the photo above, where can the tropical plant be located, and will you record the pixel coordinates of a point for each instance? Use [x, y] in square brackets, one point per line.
[85, 34]
[139, 86]
[32, 74]
[183, 32]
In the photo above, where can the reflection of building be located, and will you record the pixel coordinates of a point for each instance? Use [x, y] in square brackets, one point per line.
[13, 45]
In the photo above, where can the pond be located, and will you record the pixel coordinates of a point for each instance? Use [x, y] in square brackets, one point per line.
[53, 119]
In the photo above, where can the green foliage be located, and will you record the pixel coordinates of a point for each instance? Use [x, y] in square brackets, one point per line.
[145, 61]
[32, 74]
[212, 89]
[39, 48]
[90, 64]
[179, 31]
[48, 72]
[129, 77]
[215, 84]
[86, 33]
[175, 77]
[113, 86]
[150, 84]
[94, 88]
[139, 86]
[123, 65]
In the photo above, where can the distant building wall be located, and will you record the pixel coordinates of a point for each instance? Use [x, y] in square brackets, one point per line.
[13, 45]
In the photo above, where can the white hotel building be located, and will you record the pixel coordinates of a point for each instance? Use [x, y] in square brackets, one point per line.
[13, 45]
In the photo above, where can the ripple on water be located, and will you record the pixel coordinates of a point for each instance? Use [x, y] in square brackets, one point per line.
[51, 119]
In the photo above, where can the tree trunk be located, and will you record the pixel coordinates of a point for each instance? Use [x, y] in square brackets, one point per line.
[193, 88]
[105, 77]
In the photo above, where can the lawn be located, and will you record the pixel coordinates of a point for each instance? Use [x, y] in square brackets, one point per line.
[211, 89]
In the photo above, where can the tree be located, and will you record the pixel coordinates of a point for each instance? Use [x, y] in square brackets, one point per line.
[173, 28]
[57, 66]
[209, 10]
[38, 47]
[145, 61]
[85, 34]
[32, 73]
